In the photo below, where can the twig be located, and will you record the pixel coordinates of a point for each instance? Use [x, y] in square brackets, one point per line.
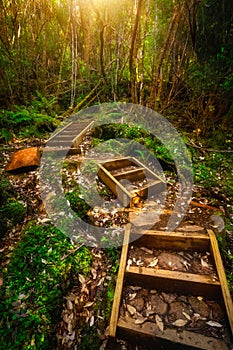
[71, 252]
[192, 144]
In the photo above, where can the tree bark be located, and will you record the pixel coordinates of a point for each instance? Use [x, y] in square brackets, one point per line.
[132, 54]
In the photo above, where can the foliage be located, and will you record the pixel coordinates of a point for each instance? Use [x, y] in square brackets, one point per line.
[208, 106]
[132, 132]
[40, 271]
[78, 204]
[213, 171]
[12, 211]
[31, 121]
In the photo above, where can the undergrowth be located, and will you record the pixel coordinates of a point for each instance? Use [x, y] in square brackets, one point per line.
[35, 120]
[12, 210]
[40, 272]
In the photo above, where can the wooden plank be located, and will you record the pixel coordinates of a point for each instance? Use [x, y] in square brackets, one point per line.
[174, 281]
[132, 175]
[172, 240]
[60, 143]
[171, 338]
[59, 131]
[143, 191]
[147, 169]
[117, 163]
[120, 191]
[119, 283]
[78, 139]
[222, 278]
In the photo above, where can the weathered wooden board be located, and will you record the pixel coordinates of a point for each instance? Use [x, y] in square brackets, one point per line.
[169, 281]
[70, 136]
[116, 187]
[173, 281]
[112, 172]
[150, 335]
[119, 284]
[172, 240]
[222, 278]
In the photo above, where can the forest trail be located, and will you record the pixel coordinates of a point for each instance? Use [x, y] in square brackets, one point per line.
[200, 217]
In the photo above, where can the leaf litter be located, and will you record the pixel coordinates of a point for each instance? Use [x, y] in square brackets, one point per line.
[181, 312]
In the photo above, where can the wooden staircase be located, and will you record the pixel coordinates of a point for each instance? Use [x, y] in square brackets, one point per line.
[148, 333]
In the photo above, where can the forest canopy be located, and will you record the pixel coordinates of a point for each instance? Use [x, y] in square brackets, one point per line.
[174, 56]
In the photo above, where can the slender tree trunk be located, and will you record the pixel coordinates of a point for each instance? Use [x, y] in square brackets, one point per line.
[132, 54]
[157, 80]
[154, 101]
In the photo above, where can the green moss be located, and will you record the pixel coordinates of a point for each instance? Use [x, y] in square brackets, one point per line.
[12, 211]
[77, 204]
[40, 272]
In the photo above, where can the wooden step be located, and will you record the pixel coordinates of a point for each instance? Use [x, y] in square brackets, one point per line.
[71, 135]
[112, 172]
[131, 175]
[173, 281]
[148, 334]
[169, 281]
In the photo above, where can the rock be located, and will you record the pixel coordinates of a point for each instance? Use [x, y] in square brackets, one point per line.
[218, 313]
[138, 303]
[199, 306]
[158, 305]
[176, 310]
[171, 261]
[169, 297]
[24, 160]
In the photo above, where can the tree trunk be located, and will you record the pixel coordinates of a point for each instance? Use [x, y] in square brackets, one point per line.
[132, 54]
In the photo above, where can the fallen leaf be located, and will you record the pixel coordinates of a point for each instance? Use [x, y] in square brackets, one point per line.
[92, 321]
[153, 291]
[186, 264]
[69, 305]
[186, 315]
[153, 263]
[139, 262]
[94, 273]
[70, 327]
[204, 263]
[82, 279]
[90, 303]
[140, 320]
[131, 310]
[132, 296]
[214, 324]
[100, 281]
[135, 288]
[180, 323]
[159, 323]
[21, 296]
[129, 262]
